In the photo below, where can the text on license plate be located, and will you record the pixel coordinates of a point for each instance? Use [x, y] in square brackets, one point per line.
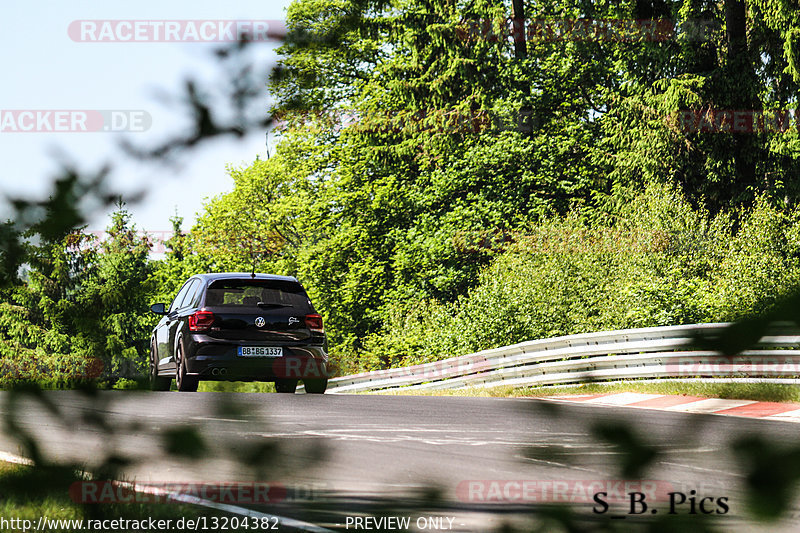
[260, 351]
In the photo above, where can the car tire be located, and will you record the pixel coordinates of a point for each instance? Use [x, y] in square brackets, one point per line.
[157, 383]
[288, 386]
[185, 382]
[315, 386]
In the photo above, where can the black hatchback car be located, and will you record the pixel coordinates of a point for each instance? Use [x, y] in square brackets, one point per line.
[239, 327]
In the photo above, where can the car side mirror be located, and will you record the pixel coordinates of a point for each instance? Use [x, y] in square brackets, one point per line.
[159, 309]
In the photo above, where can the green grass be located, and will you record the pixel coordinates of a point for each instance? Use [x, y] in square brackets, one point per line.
[31, 492]
[765, 392]
[142, 383]
[235, 386]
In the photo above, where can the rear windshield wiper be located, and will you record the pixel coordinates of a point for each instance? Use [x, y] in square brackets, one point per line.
[272, 304]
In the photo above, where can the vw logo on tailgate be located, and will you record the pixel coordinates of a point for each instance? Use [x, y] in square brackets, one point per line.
[260, 322]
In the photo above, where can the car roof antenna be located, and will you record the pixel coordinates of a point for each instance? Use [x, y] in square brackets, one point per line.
[254, 254]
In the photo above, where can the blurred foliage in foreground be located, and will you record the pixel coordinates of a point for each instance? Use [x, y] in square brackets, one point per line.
[418, 241]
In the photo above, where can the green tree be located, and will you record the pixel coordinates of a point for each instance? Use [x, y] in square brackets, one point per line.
[38, 340]
[418, 140]
[119, 294]
[81, 309]
[179, 263]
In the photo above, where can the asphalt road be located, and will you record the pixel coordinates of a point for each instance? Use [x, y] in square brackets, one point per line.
[481, 460]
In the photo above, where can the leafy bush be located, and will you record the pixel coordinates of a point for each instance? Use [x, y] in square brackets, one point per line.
[81, 311]
[659, 262]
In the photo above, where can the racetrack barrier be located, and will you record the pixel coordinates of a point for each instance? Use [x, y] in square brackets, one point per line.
[646, 353]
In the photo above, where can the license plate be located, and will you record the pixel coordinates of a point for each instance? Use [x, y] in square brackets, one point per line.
[260, 351]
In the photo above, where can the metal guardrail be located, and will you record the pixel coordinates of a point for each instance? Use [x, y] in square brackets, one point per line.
[660, 352]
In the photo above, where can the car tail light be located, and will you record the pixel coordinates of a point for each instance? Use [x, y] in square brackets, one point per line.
[201, 320]
[314, 323]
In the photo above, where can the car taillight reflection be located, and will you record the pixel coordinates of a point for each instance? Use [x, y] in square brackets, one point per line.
[201, 320]
[314, 323]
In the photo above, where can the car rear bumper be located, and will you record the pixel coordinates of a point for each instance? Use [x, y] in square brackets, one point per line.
[215, 359]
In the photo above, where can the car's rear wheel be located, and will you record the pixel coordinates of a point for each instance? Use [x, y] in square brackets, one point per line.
[286, 385]
[185, 382]
[315, 386]
[157, 383]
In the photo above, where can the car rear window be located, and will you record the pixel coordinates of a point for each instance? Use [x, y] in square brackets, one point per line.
[264, 294]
